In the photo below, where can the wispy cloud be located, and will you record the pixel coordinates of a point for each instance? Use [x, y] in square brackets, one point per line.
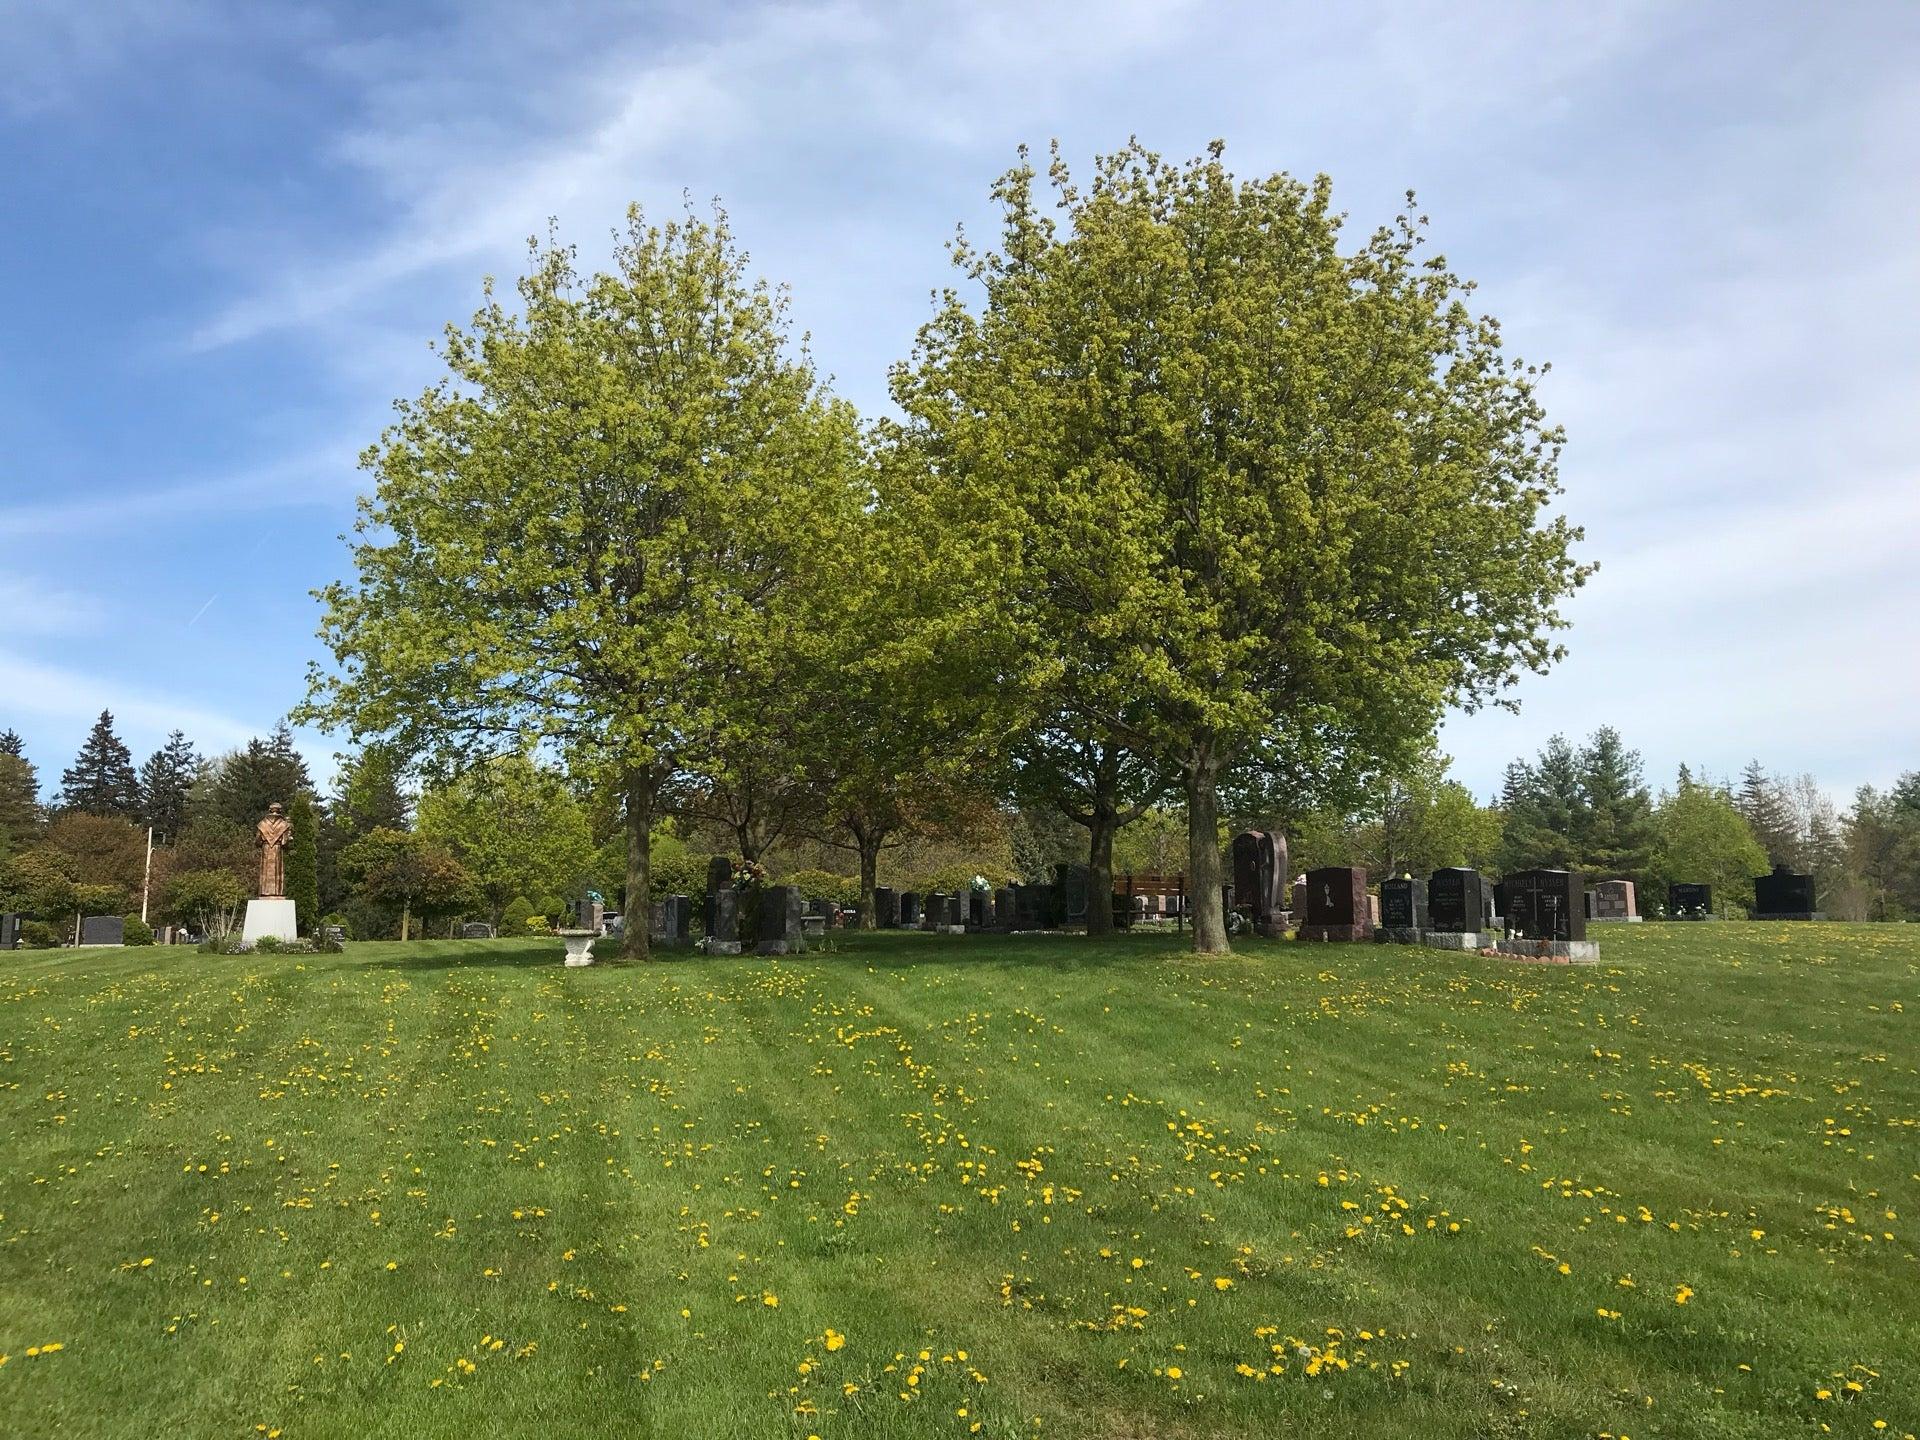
[30, 605]
[323, 479]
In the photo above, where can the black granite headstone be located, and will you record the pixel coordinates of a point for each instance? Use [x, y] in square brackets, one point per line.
[1033, 907]
[909, 909]
[979, 909]
[1003, 908]
[886, 908]
[1403, 904]
[1783, 895]
[1459, 901]
[9, 931]
[1546, 905]
[1689, 902]
[719, 877]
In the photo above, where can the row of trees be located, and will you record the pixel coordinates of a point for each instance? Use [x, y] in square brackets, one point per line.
[1182, 499]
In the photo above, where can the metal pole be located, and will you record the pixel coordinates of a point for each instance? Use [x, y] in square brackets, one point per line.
[146, 879]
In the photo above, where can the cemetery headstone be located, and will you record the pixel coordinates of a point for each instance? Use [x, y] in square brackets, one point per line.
[1460, 909]
[1615, 902]
[1784, 895]
[1336, 904]
[476, 930]
[1547, 917]
[1003, 908]
[1259, 878]
[103, 930]
[9, 931]
[886, 908]
[979, 909]
[723, 931]
[781, 929]
[1073, 883]
[933, 911]
[1299, 898]
[1033, 907]
[1403, 910]
[1690, 902]
[909, 910]
[670, 920]
[719, 877]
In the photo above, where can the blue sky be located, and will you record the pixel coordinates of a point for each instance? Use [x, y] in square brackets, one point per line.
[232, 230]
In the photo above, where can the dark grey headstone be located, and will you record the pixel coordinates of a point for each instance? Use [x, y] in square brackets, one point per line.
[933, 910]
[103, 930]
[670, 919]
[1072, 884]
[1003, 907]
[1260, 877]
[9, 931]
[725, 924]
[979, 909]
[476, 930]
[909, 909]
[781, 928]
[886, 908]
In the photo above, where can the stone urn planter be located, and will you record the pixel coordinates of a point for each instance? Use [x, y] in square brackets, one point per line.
[579, 945]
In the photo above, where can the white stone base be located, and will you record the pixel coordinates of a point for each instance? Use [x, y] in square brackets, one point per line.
[1615, 919]
[1457, 940]
[723, 947]
[579, 945]
[1553, 952]
[1396, 935]
[269, 917]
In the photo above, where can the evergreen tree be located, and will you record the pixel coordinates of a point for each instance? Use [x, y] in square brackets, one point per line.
[166, 780]
[245, 782]
[1616, 831]
[367, 794]
[12, 744]
[19, 800]
[1701, 839]
[1762, 800]
[303, 871]
[1545, 810]
[101, 779]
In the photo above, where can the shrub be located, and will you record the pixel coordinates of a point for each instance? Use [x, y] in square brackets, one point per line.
[38, 935]
[336, 918]
[136, 931]
[222, 945]
[679, 873]
[268, 944]
[513, 920]
[537, 925]
[824, 885]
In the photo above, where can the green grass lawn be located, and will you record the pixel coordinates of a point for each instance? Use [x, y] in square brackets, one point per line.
[928, 1186]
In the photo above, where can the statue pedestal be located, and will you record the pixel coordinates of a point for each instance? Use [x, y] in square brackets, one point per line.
[579, 945]
[270, 917]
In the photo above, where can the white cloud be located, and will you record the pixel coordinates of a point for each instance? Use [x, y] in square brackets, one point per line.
[31, 605]
[324, 478]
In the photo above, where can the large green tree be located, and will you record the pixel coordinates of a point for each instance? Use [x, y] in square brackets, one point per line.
[166, 786]
[516, 828]
[1617, 834]
[240, 785]
[1703, 839]
[582, 535]
[1258, 493]
[19, 800]
[303, 861]
[101, 780]
[410, 871]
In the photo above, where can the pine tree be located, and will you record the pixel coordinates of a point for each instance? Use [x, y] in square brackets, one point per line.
[303, 867]
[101, 780]
[166, 780]
[12, 744]
[367, 794]
[1544, 808]
[267, 772]
[1762, 801]
[1615, 831]
[19, 799]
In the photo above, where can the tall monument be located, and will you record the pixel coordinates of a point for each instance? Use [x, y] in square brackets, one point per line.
[270, 912]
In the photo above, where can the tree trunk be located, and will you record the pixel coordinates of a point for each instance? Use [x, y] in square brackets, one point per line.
[406, 914]
[1102, 823]
[1203, 853]
[868, 882]
[640, 796]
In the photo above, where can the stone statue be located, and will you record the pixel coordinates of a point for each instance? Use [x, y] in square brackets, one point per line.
[271, 838]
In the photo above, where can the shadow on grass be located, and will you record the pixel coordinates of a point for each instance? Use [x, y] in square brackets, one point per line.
[889, 949]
